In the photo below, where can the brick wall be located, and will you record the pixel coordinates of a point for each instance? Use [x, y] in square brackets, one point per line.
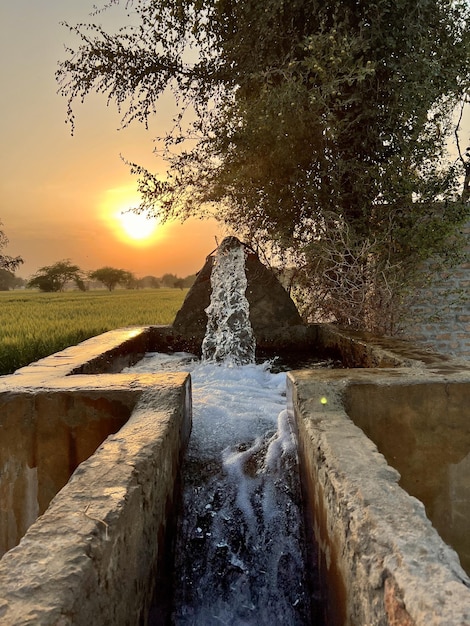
[440, 316]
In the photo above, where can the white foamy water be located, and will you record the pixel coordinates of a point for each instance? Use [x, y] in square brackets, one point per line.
[239, 548]
[229, 336]
[239, 553]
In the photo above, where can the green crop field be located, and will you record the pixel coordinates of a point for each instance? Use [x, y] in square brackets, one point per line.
[34, 325]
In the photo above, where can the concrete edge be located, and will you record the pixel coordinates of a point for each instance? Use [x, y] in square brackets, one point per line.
[88, 357]
[363, 350]
[390, 559]
[92, 557]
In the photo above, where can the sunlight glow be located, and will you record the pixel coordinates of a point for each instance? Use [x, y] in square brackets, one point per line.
[136, 226]
[131, 228]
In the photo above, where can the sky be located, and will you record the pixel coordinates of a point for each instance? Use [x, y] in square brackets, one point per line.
[60, 195]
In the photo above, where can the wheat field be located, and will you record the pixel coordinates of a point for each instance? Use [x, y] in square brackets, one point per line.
[34, 325]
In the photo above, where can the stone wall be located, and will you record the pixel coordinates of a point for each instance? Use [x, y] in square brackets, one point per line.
[93, 557]
[45, 435]
[440, 316]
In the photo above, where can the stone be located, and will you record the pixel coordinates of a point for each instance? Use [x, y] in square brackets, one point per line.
[98, 554]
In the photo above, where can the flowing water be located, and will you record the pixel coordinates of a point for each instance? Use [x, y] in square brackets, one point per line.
[229, 337]
[239, 554]
[240, 549]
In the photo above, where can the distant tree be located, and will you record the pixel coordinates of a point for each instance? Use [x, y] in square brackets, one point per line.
[54, 277]
[130, 282]
[151, 282]
[9, 281]
[189, 280]
[19, 282]
[173, 281]
[168, 280]
[111, 277]
[81, 285]
[7, 262]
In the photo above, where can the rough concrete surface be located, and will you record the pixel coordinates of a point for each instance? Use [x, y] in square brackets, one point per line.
[384, 561]
[92, 557]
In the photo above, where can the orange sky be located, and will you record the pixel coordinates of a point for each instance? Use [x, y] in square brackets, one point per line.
[59, 194]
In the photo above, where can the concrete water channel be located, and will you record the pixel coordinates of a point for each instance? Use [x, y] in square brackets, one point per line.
[89, 462]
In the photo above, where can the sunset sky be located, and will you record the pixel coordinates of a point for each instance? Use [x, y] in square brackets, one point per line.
[59, 195]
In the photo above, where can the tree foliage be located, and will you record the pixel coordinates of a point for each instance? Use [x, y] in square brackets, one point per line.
[171, 280]
[149, 282]
[51, 278]
[9, 281]
[111, 277]
[317, 128]
[7, 262]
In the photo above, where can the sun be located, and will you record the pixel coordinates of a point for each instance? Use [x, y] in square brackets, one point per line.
[132, 229]
[136, 226]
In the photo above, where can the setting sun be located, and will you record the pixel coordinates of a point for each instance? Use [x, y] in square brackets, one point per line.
[136, 226]
[128, 227]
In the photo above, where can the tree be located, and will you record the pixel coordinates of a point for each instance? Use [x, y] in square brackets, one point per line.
[189, 280]
[169, 280]
[9, 281]
[7, 262]
[54, 277]
[151, 282]
[111, 277]
[320, 131]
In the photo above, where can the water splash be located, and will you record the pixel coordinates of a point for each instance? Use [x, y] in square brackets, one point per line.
[239, 556]
[229, 337]
[240, 549]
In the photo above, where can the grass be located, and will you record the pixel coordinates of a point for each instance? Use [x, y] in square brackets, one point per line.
[34, 325]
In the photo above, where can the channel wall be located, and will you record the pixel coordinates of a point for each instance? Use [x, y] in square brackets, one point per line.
[96, 456]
